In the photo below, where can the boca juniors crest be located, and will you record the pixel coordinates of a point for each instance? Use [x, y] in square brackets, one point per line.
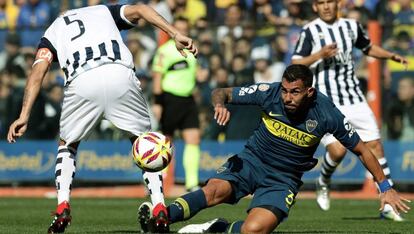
[311, 125]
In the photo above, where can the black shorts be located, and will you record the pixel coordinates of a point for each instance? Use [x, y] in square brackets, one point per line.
[178, 113]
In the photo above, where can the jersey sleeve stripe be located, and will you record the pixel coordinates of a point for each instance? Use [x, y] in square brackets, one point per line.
[325, 66]
[124, 18]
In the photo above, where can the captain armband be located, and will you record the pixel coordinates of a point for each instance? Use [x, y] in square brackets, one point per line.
[43, 54]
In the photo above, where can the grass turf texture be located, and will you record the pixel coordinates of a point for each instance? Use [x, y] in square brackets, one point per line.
[20, 215]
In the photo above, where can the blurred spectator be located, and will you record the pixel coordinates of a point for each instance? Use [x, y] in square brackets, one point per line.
[142, 48]
[243, 47]
[53, 100]
[404, 19]
[8, 14]
[206, 44]
[400, 119]
[219, 78]
[164, 8]
[5, 92]
[265, 18]
[216, 62]
[280, 48]
[232, 22]
[201, 25]
[264, 70]
[219, 11]
[8, 19]
[33, 18]
[401, 45]
[190, 9]
[241, 73]
[13, 105]
[11, 59]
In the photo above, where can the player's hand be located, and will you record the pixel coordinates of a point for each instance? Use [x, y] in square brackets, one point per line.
[17, 129]
[221, 114]
[182, 42]
[400, 59]
[329, 51]
[397, 202]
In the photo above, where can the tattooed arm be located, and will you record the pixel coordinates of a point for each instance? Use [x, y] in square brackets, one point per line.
[219, 97]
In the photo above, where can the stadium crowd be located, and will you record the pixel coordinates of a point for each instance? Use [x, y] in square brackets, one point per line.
[241, 42]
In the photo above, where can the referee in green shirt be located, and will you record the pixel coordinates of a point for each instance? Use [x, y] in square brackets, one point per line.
[174, 79]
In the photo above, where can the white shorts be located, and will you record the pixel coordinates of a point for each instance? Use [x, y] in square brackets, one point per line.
[362, 118]
[110, 92]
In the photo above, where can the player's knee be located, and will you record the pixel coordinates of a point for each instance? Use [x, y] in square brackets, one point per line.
[254, 227]
[336, 151]
[216, 191]
[191, 136]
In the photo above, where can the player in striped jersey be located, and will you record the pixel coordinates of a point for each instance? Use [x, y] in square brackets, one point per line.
[100, 83]
[326, 45]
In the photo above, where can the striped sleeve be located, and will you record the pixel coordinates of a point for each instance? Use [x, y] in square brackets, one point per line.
[362, 42]
[304, 44]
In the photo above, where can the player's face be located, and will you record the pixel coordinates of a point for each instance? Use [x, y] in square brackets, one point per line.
[327, 9]
[295, 96]
[182, 27]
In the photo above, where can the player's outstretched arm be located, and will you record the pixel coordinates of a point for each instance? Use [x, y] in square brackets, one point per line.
[327, 51]
[134, 12]
[33, 85]
[388, 194]
[380, 53]
[219, 97]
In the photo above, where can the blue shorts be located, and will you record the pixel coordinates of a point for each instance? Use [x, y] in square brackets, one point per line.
[250, 177]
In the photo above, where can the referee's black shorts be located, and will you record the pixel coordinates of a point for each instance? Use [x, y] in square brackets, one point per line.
[178, 113]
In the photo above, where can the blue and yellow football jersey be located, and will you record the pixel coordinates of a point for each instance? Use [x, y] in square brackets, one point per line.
[286, 145]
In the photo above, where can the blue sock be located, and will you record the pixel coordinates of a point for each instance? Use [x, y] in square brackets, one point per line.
[187, 206]
[235, 227]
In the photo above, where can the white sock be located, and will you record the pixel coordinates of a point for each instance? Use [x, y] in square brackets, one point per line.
[327, 169]
[64, 172]
[153, 180]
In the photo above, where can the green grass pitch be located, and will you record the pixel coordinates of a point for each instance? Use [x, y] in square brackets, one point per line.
[18, 215]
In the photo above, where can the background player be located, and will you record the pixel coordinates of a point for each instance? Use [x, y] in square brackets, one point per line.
[295, 118]
[326, 45]
[174, 79]
[100, 83]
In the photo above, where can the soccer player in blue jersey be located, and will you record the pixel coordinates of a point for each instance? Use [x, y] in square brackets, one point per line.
[295, 117]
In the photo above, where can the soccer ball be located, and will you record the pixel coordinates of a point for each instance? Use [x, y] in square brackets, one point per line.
[152, 151]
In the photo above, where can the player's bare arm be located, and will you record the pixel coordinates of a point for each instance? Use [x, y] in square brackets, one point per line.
[388, 194]
[327, 51]
[219, 97]
[134, 12]
[33, 85]
[380, 53]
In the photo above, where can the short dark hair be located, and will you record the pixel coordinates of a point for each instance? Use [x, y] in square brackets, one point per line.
[181, 18]
[296, 72]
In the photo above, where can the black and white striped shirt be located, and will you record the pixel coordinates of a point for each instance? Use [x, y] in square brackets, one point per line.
[335, 77]
[85, 38]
